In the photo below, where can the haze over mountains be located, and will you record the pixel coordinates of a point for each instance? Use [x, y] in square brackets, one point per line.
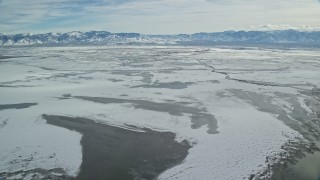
[310, 38]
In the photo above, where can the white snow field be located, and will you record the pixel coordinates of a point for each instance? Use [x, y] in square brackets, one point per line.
[242, 96]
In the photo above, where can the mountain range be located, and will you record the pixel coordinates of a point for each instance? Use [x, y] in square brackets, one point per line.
[291, 37]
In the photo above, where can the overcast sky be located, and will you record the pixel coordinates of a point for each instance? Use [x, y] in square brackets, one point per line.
[156, 16]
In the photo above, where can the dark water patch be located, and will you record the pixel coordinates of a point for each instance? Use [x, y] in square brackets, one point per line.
[200, 119]
[170, 85]
[6, 57]
[115, 80]
[65, 96]
[10, 57]
[114, 153]
[146, 76]
[166, 71]
[75, 75]
[84, 77]
[187, 64]
[4, 61]
[214, 81]
[15, 86]
[140, 65]
[19, 83]
[307, 167]
[199, 116]
[44, 57]
[4, 123]
[125, 72]
[180, 102]
[46, 68]
[15, 81]
[17, 106]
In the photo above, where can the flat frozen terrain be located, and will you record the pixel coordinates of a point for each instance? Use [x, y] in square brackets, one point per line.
[243, 111]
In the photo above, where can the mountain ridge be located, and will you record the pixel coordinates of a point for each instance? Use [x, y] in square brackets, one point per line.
[108, 38]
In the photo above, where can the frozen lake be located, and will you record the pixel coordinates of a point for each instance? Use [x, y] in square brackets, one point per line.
[196, 112]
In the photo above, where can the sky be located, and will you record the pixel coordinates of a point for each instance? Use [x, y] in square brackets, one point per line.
[157, 16]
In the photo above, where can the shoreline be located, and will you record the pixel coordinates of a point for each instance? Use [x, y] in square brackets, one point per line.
[304, 160]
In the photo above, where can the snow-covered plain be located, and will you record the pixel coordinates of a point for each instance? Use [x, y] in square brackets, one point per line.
[244, 91]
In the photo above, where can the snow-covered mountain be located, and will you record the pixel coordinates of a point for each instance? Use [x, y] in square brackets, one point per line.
[107, 38]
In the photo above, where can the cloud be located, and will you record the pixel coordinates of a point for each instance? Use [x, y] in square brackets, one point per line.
[266, 27]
